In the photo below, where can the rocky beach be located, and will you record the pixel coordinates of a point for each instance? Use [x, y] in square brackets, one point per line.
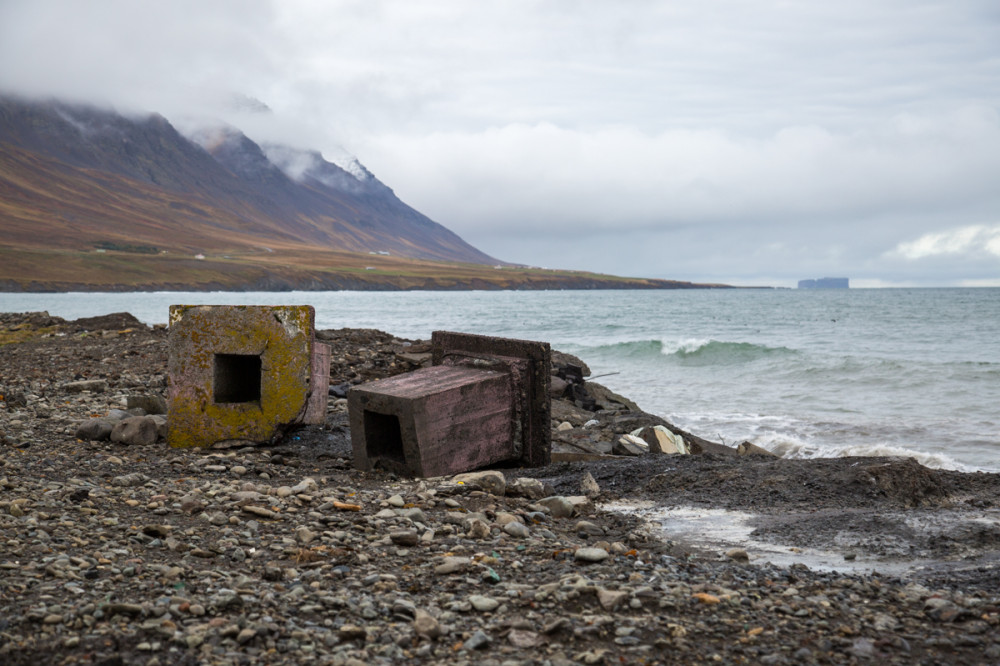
[117, 549]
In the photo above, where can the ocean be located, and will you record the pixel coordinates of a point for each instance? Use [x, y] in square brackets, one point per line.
[810, 373]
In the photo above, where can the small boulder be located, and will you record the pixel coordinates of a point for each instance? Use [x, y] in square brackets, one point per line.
[738, 554]
[116, 415]
[589, 485]
[611, 599]
[491, 481]
[558, 506]
[661, 440]
[137, 430]
[581, 504]
[452, 564]
[407, 538]
[94, 430]
[151, 404]
[518, 530]
[526, 487]
[610, 401]
[588, 528]
[590, 555]
[425, 624]
[478, 529]
[630, 445]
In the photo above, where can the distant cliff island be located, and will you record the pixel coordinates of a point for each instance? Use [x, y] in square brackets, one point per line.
[825, 283]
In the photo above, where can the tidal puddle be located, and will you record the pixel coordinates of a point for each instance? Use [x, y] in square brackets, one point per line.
[718, 530]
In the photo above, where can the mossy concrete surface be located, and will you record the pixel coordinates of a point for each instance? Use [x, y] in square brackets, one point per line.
[238, 372]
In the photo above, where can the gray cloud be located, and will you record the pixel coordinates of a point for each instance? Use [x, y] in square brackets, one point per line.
[731, 140]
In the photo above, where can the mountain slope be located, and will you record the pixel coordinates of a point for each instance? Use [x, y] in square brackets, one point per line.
[76, 176]
[92, 200]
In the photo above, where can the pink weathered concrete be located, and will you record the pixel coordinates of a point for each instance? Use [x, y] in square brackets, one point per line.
[319, 384]
[243, 373]
[529, 364]
[471, 410]
[433, 421]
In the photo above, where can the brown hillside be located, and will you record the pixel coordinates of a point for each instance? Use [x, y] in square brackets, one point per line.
[92, 200]
[80, 175]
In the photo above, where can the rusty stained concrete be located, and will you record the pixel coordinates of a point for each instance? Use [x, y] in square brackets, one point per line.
[485, 401]
[244, 373]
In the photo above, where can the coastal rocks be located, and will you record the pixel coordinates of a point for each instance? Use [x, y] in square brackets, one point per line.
[617, 428]
[568, 383]
[608, 400]
[630, 445]
[905, 479]
[120, 427]
[363, 355]
[748, 449]
[127, 554]
[661, 440]
[116, 321]
[557, 387]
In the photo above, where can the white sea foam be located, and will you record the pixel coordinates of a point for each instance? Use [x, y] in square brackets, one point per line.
[789, 447]
[684, 346]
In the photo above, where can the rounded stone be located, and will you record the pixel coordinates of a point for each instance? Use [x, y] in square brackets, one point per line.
[590, 554]
[404, 537]
[515, 529]
[483, 604]
[135, 431]
[94, 430]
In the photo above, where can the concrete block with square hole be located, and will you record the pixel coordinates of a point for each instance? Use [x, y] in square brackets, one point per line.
[243, 373]
[485, 401]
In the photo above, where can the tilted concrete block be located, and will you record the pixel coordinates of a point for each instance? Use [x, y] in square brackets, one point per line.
[485, 401]
[529, 364]
[241, 372]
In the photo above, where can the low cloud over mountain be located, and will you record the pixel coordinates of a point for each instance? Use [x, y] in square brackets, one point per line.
[76, 176]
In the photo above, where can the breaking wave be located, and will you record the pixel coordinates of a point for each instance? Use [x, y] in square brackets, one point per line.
[789, 447]
[693, 351]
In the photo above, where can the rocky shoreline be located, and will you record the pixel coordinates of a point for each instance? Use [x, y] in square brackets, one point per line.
[118, 552]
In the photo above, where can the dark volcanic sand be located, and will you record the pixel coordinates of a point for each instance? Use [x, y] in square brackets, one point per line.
[107, 553]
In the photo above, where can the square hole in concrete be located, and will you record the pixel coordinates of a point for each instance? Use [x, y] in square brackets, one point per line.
[383, 438]
[237, 378]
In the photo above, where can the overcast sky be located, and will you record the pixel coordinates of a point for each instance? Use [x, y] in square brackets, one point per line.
[736, 141]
